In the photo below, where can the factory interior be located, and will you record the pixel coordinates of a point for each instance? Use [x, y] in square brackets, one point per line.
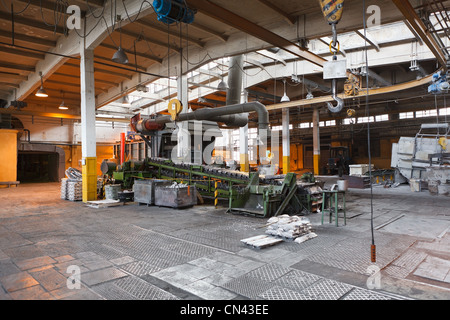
[241, 152]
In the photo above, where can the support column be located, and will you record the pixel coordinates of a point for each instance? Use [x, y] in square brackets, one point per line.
[183, 136]
[316, 141]
[88, 136]
[286, 141]
[243, 148]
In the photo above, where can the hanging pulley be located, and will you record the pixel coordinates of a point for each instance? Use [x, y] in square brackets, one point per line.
[332, 10]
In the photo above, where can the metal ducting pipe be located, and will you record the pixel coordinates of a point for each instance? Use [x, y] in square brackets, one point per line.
[235, 69]
[218, 114]
[222, 114]
[234, 92]
[229, 115]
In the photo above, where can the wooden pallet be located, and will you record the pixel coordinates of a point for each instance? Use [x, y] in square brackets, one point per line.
[261, 241]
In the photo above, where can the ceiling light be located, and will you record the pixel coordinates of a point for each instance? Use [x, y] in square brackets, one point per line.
[285, 98]
[222, 86]
[62, 106]
[41, 92]
[126, 100]
[120, 56]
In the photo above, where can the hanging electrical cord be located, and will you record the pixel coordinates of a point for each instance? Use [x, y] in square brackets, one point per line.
[372, 247]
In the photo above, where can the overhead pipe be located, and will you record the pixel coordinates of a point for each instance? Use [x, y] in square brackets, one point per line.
[234, 91]
[228, 115]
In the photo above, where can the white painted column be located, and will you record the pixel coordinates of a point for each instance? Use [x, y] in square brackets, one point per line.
[88, 142]
[286, 140]
[183, 137]
[88, 135]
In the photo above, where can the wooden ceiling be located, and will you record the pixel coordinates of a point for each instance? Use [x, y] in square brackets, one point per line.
[36, 25]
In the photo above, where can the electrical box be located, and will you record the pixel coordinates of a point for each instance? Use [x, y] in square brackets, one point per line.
[335, 69]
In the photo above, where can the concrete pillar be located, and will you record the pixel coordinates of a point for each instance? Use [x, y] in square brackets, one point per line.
[316, 141]
[88, 136]
[286, 141]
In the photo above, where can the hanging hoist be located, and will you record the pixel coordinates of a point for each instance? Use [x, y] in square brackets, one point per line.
[335, 69]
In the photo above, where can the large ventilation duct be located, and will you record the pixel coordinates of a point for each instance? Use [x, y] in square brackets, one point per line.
[227, 114]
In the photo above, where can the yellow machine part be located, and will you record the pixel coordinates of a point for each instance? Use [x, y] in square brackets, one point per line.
[332, 10]
[175, 106]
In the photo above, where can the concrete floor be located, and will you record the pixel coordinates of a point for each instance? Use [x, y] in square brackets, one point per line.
[137, 252]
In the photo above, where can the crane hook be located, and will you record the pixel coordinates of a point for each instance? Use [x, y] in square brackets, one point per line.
[340, 102]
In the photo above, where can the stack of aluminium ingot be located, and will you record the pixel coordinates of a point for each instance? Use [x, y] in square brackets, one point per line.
[74, 190]
[64, 188]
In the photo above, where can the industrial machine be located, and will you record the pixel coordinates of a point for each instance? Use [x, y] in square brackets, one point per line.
[425, 157]
[339, 161]
[249, 193]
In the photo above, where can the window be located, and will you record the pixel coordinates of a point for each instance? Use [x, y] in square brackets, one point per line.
[426, 113]
[304, 125]
[382, 117]
[444, 112]
[406, 115]
[279, 128]
[365, 119]
[321, 124]
[330, 123]
[349, 121]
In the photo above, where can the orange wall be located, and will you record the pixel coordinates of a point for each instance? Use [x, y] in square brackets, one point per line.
[73, 156]
[8, 155]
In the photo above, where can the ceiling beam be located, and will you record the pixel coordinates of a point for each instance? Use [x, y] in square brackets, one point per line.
[27, 39]
[414, 20]
[142, 55]
[164, 30]
[22, 53]
[288, 17]
[15, 76]
[225, 16]
[36, 24]
[7, 84]
[101, 70]
[14, 66]
[270, 55]
[369, 39]
[70, 45]
[128, 10]
[144, 37]
[58, 115]
[71, 76]
[212, 32]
